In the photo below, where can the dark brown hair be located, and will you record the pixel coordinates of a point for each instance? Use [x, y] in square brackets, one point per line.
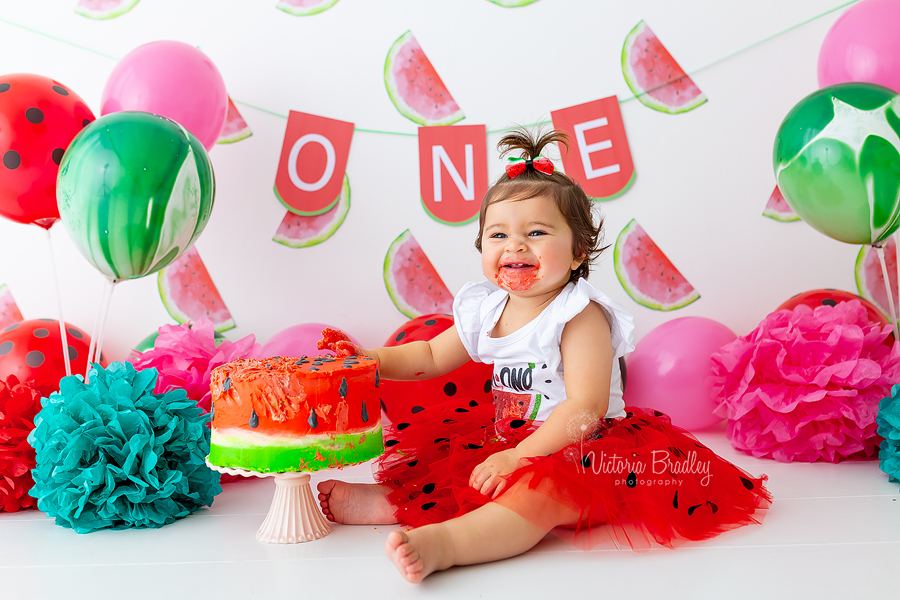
[571, 200]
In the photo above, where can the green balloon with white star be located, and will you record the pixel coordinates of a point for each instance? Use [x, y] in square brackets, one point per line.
[837, 161]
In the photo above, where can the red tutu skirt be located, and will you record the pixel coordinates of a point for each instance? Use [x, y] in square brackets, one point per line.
[648, 479]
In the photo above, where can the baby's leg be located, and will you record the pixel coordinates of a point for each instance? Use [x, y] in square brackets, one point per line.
[356, 503]
[489, 533]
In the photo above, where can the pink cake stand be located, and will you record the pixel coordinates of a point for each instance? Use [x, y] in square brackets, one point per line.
[294, 515]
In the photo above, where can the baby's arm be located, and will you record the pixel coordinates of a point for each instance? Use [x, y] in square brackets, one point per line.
[587, 356]
[415, 360]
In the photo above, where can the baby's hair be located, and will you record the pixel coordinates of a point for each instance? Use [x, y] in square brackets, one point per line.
[571, 200]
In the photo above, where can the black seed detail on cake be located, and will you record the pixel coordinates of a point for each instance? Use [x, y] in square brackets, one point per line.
[747, 483]
[675, 499]
[254, 420]
[449, 388]
[428, 488]
[691, 509]
[350, 362]
[313, 420]
[516, 423]
[416, 409]
[428, 505]
[365, 413]
[226, 385]
[713, 507]
[390, 443]
[631, 481]
[313, 369]
[377, 378]
[298, 363]
[343, 389]
[402, 426]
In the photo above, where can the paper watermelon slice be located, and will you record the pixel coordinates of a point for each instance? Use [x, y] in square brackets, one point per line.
[304, 8]
[870, 277]
[415, 87]
[512, 3]
[188, 292]
[647, 274]
[778, 208]
[9, 311]
[654, 76]
[235, 128]
[411, 280]
[301, 231]
[104, 9]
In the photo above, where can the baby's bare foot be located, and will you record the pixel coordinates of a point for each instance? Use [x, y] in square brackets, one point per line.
[419, 553]
[356, 503]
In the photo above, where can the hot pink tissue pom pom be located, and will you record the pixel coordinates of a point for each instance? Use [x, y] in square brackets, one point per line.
[805, 384]
[185, 356]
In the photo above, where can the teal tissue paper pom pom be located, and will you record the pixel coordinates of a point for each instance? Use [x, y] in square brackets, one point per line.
[111, 454]
[888, 420]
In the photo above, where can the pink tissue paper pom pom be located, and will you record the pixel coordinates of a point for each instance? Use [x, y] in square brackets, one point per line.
[185, 356]
[805, 384]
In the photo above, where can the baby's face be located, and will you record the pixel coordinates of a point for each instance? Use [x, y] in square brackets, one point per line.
[526, 246]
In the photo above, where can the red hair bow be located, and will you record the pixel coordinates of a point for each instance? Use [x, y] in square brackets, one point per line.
[517, 166]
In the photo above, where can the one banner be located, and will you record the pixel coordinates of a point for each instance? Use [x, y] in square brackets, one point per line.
[598, 158]
[313, 161]
[453, 171]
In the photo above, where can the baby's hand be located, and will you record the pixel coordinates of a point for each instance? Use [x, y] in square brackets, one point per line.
[487, 477]
[338, 342]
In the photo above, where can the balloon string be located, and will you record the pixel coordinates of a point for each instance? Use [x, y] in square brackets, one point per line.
[95, 332]
[64, 339]
[890, 292]
[98, 351]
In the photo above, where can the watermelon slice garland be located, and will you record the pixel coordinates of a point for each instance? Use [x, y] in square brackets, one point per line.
[235, 128]
[778, 208]
[654, 77]
[301, 231]
[188, 292]
[647, 274]
[411, 280]
[9, 311]
[104, 9]
[414, 86]
[305, 8]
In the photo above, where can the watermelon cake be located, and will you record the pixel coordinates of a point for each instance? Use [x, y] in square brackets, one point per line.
[279, 415]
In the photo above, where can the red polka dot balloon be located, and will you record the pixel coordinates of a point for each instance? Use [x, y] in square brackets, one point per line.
[830, 297]
[403, 399]
[32, 351]
[39, 116]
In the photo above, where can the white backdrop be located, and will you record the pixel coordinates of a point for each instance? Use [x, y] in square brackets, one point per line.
[703, 178]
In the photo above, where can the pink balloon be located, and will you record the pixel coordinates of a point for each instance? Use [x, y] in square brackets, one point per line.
[172, 79]
[669, 368]
[863, 45]
[296, 341]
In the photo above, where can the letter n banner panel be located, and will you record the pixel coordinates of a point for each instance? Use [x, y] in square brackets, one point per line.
[453, 171]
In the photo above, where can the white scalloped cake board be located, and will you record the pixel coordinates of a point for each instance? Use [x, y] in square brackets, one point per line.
[833, 532]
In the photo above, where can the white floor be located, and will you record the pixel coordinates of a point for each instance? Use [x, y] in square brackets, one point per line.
[833, 532]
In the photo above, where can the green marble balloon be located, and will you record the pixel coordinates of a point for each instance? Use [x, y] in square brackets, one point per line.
[135, 190]
[837, 161]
